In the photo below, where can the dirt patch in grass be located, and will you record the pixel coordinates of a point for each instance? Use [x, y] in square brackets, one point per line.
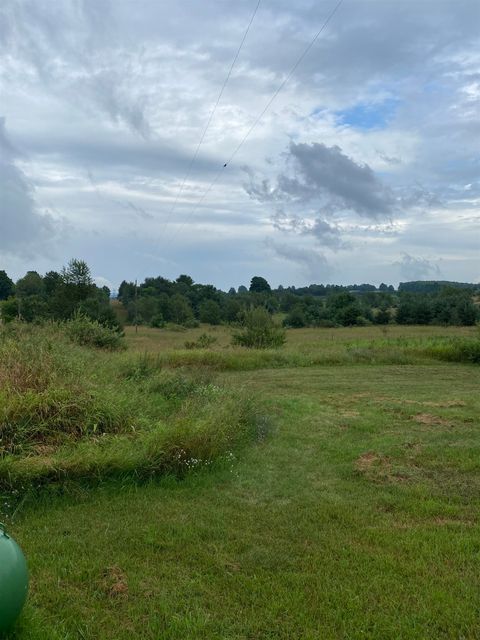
[369, 459]
[114, 582]
[373, 465]
[447, 404]
[350, 414]
[379, 468]
[445, 522]
[431, 420]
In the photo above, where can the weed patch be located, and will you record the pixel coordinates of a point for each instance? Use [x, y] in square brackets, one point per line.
[72, 413]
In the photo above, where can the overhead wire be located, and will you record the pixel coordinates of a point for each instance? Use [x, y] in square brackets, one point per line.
[212, 113]
[262, 113]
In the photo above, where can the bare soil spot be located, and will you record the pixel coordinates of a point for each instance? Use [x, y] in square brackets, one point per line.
[431, 420]
[350, 414]
[114, 582]
[379, 468]
[444, 522]
[447, 404]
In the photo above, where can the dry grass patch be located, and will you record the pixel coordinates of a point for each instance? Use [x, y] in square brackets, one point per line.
[431, 420]
[377, 467]
[114, 582]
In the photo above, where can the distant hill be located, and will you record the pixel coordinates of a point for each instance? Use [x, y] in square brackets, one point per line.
[432, 286]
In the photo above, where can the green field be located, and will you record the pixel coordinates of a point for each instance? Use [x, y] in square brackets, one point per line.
[354, 516]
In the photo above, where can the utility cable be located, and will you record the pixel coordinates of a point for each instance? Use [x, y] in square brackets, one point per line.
[212, 113]
[259, 117]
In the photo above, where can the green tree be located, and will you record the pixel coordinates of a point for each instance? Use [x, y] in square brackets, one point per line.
[77, 273]
[180, 310]
[210, 312]
[382, 317]
[6, 286]
[51, 281]
[30, 285]
[34, 308]
[259, 285]
[296, 318]
[184, 279]
[232, 310]
[126, 292]
[76, 287]
[9, 309]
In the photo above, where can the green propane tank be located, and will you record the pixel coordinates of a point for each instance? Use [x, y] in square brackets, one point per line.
[13, 580]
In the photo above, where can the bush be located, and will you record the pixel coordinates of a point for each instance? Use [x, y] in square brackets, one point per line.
[9, 309]
[325, 323]
[157, 321]
[91, 333]
[296, 318]
[203, 342]
[259, 331]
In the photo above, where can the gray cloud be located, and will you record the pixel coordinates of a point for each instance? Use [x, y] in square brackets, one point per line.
[108, 153]
[313, 263]
[327, 235]
[65, 46]
[326, 172]
[328, 178]
[413, 268]
[22, 228]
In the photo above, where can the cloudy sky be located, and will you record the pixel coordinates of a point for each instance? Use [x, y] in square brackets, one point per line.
[365, 167]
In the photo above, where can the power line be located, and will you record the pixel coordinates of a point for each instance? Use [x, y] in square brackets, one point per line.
[212, 113]
[259, 117]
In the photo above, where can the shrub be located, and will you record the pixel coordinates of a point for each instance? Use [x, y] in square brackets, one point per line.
[9, 309]
[259, 331]
[203, 342]
[157, 321]
[86, 332]
[296, 318]
[325, 323]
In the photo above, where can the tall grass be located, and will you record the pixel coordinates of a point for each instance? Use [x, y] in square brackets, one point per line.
[69, 411]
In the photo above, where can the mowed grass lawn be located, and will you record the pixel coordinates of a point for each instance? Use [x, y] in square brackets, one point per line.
[356, 517]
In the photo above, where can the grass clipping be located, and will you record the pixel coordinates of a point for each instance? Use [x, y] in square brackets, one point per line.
[68, 412]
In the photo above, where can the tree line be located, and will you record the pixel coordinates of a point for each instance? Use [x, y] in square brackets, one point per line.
[58, 295]
[158, 301]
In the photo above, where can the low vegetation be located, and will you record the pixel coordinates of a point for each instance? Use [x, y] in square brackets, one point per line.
[67, 411]
[356, 517]
[258, 331]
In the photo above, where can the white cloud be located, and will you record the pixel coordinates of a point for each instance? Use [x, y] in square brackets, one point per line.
[100, 87]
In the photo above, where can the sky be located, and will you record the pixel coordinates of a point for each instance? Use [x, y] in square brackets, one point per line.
[364, 168]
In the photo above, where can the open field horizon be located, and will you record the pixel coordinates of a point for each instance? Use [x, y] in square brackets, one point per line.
[356, 515]
[240, 320]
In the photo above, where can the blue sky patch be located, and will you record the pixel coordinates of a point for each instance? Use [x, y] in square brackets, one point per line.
[368, 115]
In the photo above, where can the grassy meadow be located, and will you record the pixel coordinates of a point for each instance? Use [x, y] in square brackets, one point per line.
[329, 489]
